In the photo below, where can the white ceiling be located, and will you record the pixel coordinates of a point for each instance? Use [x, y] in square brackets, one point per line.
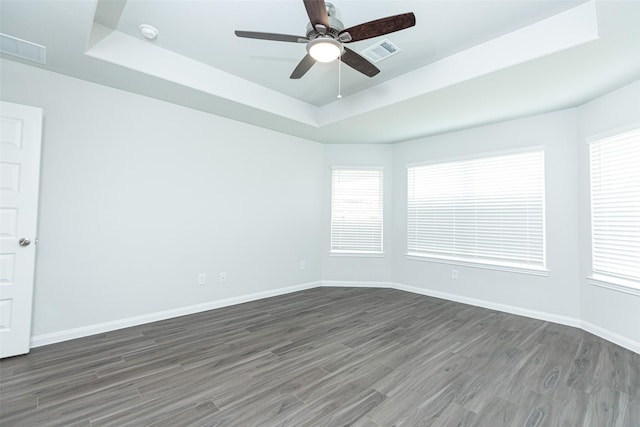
[269, 63]
[465, 63]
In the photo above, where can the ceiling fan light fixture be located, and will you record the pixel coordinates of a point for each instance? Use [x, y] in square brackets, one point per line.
[326, 34]
[324, 49]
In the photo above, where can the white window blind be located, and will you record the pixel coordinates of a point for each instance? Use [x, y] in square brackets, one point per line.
[488, 210]
[615, 206]
[356, 211]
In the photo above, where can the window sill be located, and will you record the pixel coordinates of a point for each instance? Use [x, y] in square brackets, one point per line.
[358, 254]
[512, 269]
[614, 284]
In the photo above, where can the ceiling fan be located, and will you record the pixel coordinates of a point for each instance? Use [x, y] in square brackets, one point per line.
[326, 36]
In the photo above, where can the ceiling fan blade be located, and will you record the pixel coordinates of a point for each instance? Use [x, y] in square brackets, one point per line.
[317, 11]
[380, 27]
[302, 67]
[271, 36]
[359, 63]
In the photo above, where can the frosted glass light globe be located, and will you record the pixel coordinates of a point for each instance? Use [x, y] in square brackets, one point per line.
[324, 49]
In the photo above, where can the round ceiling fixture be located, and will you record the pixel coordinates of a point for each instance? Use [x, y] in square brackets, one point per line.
[324, 49]
[149, 32]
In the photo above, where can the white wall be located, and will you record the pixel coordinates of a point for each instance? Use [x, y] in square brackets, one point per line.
[605, 309]
[564, 295]
[554, 297]
[357, 269]
[139, 196]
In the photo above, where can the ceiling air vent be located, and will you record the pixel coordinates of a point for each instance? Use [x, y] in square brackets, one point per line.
[381, 50]
[22, 49]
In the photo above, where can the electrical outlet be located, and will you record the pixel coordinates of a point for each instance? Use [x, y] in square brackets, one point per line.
[202, 279]
[223, 277]
[454, 274]
[302, 265]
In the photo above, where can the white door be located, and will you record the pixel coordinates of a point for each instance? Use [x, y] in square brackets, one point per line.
[20, 136]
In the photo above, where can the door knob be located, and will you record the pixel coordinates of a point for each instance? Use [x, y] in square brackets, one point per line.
[24, 241]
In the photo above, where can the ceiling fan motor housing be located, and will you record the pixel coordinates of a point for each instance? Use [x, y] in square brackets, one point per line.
[326, 34]
[335, 26]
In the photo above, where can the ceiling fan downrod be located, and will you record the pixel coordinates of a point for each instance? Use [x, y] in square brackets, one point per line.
[325, 32]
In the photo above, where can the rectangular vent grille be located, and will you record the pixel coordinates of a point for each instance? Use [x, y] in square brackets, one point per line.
[381, 50]
[22, 49]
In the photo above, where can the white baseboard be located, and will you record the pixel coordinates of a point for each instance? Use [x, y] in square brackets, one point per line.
[610, 336]
[520, 311]
[355, 284]
[534, 314]
[69, 334]
[40, 340]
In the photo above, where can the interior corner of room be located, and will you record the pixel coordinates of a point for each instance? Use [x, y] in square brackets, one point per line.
[131, 211]
[164, 193]
[205, 221]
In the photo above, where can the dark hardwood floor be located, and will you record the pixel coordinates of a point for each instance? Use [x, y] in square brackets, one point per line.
[329, 357]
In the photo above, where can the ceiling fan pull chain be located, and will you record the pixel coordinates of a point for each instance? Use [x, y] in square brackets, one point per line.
[339, 75]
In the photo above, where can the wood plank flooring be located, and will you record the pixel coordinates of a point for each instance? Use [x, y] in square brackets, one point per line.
[328, 357]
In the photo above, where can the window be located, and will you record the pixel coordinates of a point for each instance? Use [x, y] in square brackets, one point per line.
[615, 207]
[356, 211]
[486, 210]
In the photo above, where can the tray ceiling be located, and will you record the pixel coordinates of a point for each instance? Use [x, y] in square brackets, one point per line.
[465, 63]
